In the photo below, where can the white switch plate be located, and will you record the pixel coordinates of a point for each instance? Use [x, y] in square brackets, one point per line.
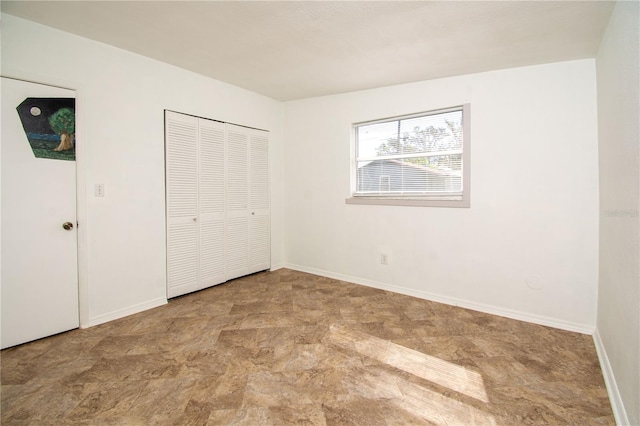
[99, 190]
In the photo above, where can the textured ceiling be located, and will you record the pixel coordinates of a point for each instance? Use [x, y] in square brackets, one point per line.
[291, 49]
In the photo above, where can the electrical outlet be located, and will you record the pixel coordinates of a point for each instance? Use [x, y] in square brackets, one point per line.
[99, 190]
[383, 258]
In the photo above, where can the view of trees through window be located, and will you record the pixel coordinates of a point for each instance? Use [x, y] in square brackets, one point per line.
[419, 154]
[440, 133]
[413, 156]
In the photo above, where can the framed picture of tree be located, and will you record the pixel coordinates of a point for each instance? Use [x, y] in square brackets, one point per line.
[50, 127]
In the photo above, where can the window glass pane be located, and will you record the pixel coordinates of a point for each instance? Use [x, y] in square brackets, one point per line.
[369, 175]
[432, 133]
[441, 173]
[414, 156]
[372, 136]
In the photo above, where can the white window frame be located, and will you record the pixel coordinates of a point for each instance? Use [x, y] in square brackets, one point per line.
[461, 199]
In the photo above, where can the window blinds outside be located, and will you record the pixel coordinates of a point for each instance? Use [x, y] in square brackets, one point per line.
[418, 155]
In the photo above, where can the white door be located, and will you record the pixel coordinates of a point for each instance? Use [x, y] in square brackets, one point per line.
[211, 184]
[39, 288]
[260, 218]
[181, 139]
[237, 202]
[195, 179]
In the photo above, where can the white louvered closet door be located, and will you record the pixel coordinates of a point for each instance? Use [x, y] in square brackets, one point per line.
[211, 196]
[259, 218]
[237, 202]
[218, 212]
[181, 133]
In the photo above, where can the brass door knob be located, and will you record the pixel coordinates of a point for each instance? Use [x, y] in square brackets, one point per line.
[68, 226]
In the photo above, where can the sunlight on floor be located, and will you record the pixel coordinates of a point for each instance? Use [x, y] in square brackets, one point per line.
[411, 397]
[425, 366]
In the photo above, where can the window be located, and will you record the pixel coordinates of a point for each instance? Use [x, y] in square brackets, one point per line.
[420, 159]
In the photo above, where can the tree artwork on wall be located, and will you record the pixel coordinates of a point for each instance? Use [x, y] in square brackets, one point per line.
[50, 127]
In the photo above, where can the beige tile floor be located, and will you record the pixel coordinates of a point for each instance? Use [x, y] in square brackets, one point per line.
[286, 347]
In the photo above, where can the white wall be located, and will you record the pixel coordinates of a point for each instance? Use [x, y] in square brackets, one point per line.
[527, 247]
[618, 326]
[120, 133]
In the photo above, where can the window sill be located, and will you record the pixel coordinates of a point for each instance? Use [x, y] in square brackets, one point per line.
[409, 202]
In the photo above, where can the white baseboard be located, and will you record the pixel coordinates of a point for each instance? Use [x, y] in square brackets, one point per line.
[617, 405]
[120, 313]
[480, 307]
[276, 266]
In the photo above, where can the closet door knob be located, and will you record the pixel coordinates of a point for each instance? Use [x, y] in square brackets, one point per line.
[195, 219]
